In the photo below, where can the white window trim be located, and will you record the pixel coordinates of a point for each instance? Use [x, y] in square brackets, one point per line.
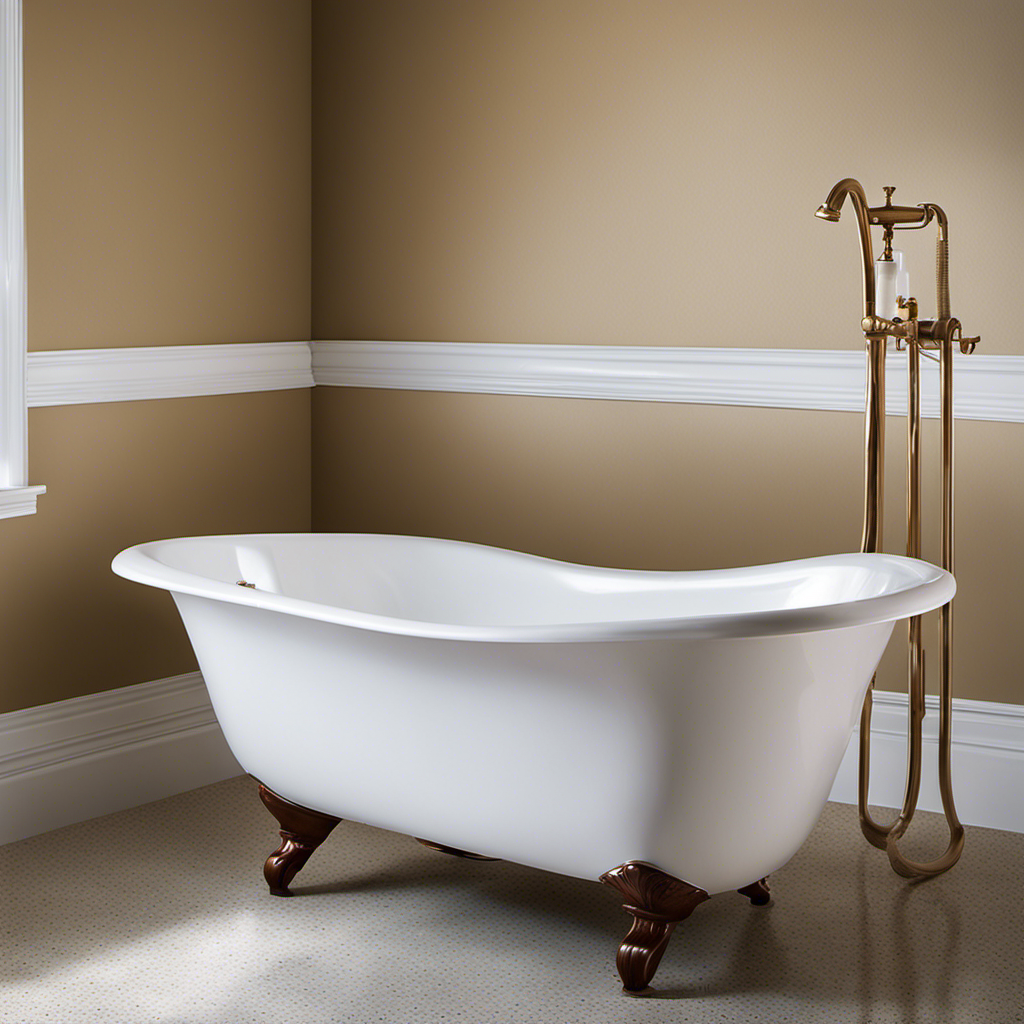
[16, 497]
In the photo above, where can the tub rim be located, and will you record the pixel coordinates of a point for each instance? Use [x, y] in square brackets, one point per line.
[936, 587]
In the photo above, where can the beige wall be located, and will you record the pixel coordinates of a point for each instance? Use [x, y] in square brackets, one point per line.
[646, 173]
[167, 171]
[167, 188]
[119, 474]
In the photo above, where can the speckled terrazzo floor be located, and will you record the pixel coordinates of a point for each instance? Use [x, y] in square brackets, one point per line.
[161, 914]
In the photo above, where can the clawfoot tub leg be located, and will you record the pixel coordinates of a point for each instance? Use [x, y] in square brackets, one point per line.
[658, 902]
[302, 831]
[757, 892]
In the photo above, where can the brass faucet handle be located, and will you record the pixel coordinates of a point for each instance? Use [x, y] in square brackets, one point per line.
[907, 307]
[888, 190]
[878, 326]
[968, 345]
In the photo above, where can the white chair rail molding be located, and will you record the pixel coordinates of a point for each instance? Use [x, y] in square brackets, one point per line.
[988, 387]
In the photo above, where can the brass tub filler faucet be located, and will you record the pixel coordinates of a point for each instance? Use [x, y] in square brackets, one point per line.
[888, 314]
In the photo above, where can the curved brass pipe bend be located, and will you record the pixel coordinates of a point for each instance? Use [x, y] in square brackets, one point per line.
[830, 209]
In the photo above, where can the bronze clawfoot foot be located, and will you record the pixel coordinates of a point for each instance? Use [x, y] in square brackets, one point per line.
[302, 831]
[757, 892]
[658, 902]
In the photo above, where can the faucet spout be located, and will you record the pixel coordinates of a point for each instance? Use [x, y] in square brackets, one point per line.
[830, 209]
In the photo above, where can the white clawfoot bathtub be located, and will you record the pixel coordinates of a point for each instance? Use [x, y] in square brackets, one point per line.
[567, 717]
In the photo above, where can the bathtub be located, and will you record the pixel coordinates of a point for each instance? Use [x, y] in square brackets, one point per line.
[673, 734]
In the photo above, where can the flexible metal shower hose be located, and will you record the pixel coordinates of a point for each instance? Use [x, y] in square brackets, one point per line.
[942, 275]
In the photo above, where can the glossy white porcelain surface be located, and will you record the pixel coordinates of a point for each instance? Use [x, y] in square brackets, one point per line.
[567, 717]
[418, 586]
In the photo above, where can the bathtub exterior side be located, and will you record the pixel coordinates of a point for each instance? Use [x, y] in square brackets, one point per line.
[710, 759]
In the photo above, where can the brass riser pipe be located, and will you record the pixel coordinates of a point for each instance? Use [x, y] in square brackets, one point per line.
[876, 833]
[876, 333]
[871, 541]
[886, 837]
[900, 864]
[879, 835]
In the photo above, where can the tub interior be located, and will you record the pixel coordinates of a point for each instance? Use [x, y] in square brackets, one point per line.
[437, 581]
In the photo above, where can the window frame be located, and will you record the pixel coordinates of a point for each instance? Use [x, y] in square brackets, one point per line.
[16, 496]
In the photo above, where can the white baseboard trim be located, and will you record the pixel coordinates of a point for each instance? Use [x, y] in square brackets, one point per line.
[987, 387]
[105, 752]
[77, 759]
[77, 376]
[987, 756]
